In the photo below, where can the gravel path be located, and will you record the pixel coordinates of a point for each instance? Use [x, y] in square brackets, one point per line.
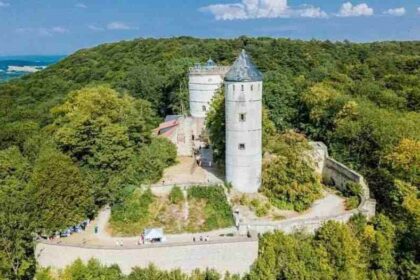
[330, 204]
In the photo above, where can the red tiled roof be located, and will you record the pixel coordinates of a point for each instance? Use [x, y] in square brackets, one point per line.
[168, 124]
[169, 132]
[165, 125]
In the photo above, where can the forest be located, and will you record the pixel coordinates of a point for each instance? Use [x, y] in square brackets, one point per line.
[79, 132]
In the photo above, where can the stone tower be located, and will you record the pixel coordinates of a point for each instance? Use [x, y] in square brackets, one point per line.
[243, 100]
[204, 81]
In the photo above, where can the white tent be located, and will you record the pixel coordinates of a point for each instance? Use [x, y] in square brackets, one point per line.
[154, 234]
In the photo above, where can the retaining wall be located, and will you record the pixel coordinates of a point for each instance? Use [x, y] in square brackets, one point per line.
[235, 257]
[290, 226]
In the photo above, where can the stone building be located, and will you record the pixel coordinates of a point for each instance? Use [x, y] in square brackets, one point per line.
[204, 82]
[243, 102]
[243, 96]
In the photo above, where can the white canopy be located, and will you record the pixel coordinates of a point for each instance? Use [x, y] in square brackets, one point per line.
[153, 233]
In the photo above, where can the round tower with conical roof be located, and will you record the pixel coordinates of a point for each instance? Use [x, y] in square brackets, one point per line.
[243, 100]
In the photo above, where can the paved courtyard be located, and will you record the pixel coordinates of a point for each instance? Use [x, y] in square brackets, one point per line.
[186, 171]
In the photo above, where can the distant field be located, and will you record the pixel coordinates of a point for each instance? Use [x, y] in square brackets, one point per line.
[27, 60]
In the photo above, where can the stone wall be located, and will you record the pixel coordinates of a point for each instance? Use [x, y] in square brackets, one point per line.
[340, 174]
[235, 257]
[290, 226]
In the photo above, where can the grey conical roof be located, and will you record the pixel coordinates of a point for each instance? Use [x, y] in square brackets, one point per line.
[243, 70]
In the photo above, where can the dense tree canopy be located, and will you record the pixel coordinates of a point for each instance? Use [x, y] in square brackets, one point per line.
[59, 193]
[16, 222]
[98, 142]
[101, 129]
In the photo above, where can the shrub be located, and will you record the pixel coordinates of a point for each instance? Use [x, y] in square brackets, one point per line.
[131, 215]
[176, 196]
[352, 189]
[255, 203]
[262, 210]
[352, 202]
[217, 210]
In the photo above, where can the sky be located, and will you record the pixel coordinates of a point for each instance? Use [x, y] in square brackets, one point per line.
[64, 26]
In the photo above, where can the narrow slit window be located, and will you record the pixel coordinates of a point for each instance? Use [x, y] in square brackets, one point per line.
[204, 108]
[252, 87]
[242, 87]
[241, 146]
[242, 117]
[233, 87]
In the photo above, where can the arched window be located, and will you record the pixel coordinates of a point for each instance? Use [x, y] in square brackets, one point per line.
[252, 87]
[204, 108]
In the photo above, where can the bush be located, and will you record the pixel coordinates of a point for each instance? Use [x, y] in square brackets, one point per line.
[131, 215]
[352, 189]
[217, 210]
[262, 210]
[288, 178]
[352, 202]
[176, 196]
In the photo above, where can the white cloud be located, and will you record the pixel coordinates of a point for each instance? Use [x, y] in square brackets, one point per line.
[43, 31]
[80, 5]
[226, 12]
[418, 10]
[118, 25]
[253, 9]
[350, 10]
[4, 4]
[396, 12]
[95, 28]
[312, 12]
[115, 25]
[59, 29]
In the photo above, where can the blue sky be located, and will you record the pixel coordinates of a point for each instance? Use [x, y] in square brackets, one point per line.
[61, 27]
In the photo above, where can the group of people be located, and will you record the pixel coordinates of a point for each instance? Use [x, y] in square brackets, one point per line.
[205, 239]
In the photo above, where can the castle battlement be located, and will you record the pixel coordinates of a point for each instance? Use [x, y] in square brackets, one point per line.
[209, 70]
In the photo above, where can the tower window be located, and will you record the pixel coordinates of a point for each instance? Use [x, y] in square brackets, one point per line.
[204, 108]
[252, 87]
[242, 117]
[241, 146]
[242, 87]
[233, 87]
